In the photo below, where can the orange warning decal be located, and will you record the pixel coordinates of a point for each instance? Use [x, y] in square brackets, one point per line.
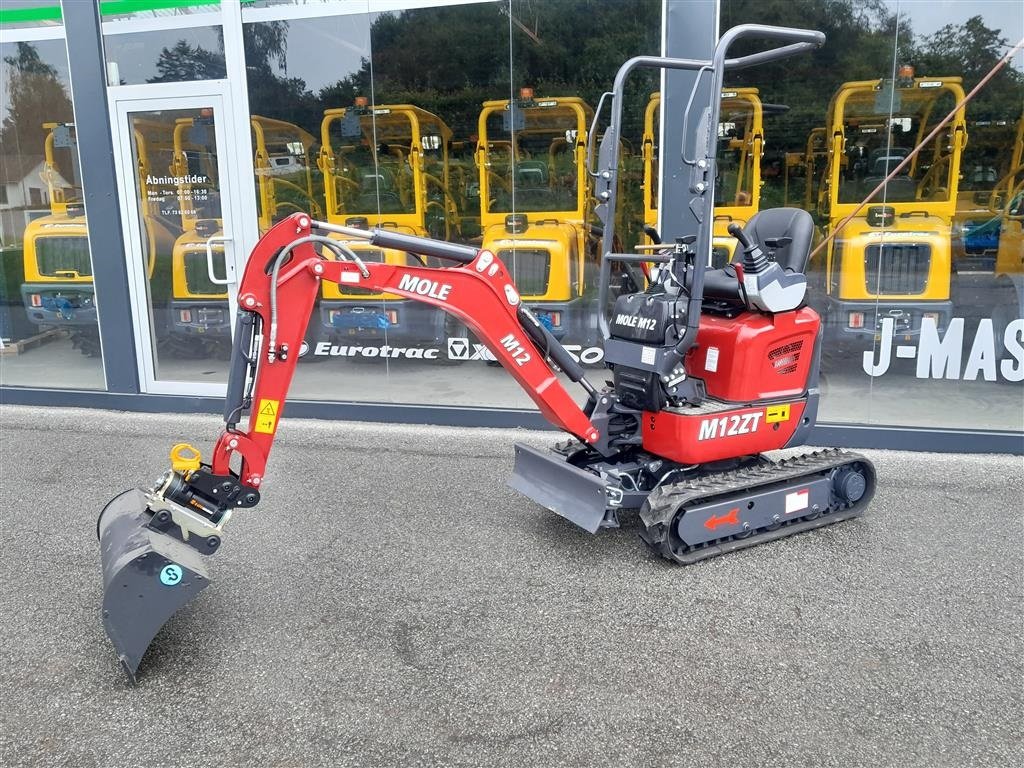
[732, 516]
[266, 416]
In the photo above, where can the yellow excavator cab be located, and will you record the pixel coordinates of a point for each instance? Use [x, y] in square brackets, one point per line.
[893, 260]
[58, 289]
[283, 168]
[738, 188]
[994, 150]
[56, 246]
[386, 165]
[535, 204]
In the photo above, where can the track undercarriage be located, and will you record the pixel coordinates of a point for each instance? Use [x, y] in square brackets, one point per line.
[766, 500]
[691, 513]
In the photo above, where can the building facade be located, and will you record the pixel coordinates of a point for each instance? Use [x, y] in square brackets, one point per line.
[146, 145]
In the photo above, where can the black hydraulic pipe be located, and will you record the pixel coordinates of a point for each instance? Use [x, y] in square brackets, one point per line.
[238, 373]
[440, 249]
[642, 258]
[546, 342]
[387, 238]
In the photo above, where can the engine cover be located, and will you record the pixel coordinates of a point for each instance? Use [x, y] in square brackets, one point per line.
[754, 356]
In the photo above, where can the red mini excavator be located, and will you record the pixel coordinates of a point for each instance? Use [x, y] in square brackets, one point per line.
[709, 369]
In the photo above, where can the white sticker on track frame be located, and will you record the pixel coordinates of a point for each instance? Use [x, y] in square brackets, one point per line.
[648, 355]
[711, 360]
[797, 501]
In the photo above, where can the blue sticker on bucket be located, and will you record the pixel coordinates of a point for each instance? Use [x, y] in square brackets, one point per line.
[170, 575]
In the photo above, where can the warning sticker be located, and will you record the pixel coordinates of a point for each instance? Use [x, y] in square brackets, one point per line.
[266, 416]
[797, 500]
[775, 413]
[711, 361]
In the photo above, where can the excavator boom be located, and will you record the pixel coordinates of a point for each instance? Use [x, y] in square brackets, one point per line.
[275, 312]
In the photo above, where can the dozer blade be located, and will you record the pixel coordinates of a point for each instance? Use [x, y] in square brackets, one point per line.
[551, 481]
[147, 576]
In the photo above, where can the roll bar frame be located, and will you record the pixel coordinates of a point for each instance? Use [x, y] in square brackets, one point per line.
[703, 164]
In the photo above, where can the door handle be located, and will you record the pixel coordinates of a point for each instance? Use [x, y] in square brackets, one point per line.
[228, 270]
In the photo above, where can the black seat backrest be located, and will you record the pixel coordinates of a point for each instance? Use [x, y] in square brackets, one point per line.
[776, 223]
[883, 166]
[900, 189]
[532, 174]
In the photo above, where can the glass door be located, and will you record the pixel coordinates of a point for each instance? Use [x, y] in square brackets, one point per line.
[182, 173]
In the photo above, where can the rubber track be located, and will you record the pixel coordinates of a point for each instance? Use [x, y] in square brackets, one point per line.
[659, 514]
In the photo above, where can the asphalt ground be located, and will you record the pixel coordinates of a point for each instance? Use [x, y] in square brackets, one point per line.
[392, 603]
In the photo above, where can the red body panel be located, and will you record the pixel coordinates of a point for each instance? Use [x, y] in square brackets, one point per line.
[701, 436]
[755, 357]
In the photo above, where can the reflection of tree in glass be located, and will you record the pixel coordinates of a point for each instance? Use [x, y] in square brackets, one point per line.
[271, 91]
[860, 38]
[34, 95]
[188, 62]
[970, 50]
[450, 60]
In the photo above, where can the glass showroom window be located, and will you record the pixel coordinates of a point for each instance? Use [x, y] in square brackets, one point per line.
[48, 318]
[920, 292]
[424, 122]
[165, 56]
[312, 152]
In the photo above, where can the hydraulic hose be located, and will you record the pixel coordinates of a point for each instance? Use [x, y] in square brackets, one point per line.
[343, 251]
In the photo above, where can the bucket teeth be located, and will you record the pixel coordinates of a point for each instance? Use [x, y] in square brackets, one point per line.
[147, 577]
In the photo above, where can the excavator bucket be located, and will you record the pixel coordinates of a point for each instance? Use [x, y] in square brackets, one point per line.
[546, 477]
[147, 576]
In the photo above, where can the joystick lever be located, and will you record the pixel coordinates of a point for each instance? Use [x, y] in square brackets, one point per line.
[766, 286]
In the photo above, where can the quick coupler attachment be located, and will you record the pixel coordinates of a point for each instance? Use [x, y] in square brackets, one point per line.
[148, 575]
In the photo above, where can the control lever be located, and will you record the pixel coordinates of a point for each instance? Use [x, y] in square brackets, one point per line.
[777, 242]
[737, 231]
[754, 260]
[765, 285]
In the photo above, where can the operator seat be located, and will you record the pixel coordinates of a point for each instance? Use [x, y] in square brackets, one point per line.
[777, 223]
[772, 224]
[900, 189]
[532, 190]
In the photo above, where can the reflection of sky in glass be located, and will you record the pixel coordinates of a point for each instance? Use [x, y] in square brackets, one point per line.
[324, 51]
[927, 17]
[136, 53]
[320, 51]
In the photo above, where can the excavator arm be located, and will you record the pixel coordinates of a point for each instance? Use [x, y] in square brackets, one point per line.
[153, 542]
[276, 302]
